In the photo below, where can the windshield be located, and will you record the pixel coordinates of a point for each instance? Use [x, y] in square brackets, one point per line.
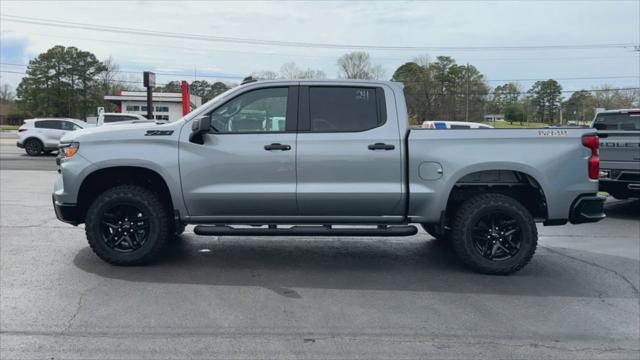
[117, 118]
[628, 121]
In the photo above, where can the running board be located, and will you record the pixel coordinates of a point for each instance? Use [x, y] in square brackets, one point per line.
[225, 230]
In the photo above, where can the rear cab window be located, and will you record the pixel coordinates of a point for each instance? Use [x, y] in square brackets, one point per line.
[342, 108]
[618, 121]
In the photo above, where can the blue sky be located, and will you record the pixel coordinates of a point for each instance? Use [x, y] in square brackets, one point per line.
[438, 24]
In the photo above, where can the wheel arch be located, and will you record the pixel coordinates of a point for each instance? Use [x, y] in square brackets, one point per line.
[516, 180]
[102, 179]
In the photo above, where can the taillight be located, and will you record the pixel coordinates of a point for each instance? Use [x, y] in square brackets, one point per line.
[21, 130]
[592, 142]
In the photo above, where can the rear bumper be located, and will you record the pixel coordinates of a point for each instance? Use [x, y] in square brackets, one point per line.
[586, 209]
[620, 188]
[19, 144]
[66, 212]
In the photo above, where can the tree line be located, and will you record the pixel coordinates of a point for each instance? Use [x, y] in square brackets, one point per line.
[69, 82]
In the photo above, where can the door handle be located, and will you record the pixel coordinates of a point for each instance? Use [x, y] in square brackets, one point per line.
[381, 146]
[277, 146]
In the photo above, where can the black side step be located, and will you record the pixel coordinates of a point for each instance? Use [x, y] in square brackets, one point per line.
[225, 230]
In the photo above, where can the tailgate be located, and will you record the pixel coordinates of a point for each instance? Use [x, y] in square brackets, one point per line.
[622, 146]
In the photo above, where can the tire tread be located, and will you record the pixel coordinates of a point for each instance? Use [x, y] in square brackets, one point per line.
[151, 200]
[461, 223]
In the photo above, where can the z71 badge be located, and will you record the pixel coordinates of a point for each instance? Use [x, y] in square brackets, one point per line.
[158, 132]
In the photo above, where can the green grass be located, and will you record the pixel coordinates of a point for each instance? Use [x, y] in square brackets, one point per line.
[9, 127]
[516, 125]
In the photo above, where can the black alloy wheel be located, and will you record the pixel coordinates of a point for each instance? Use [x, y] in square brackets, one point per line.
[494, 233]
[497, 236]
[124, 227]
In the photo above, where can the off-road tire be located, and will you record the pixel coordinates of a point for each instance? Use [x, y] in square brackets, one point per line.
[33, 147]
[148, 202]
[467, 216]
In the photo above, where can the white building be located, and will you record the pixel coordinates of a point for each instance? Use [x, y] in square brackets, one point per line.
[494, 117]
[167, 106]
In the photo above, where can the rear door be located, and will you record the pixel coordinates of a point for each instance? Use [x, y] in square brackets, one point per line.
[51, 131]
[349, 153]
[246, 165]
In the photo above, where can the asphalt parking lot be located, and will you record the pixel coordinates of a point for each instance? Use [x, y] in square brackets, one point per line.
[311, 298]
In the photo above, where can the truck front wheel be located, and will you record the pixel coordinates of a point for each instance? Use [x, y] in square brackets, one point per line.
[127, 225]
[494, 234]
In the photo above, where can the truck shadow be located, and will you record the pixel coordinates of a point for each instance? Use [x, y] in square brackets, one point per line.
[417, 264]
[623, 209]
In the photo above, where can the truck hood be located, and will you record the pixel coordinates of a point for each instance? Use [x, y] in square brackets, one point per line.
[119, 132]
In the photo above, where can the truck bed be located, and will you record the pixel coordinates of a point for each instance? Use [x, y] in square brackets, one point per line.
[439, 160]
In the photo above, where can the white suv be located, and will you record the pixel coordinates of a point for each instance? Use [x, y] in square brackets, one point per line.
[120, 118]
[36, 136]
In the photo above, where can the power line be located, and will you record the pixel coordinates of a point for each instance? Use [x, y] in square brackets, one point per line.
[236, 40]
[201, 50]
[488, 80]
[102, 80]
[157, 73]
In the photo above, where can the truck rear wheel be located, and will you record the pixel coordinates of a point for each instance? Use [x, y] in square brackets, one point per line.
[494, 234]
[127, 225]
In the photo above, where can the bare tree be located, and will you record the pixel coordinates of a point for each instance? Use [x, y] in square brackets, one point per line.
[292, 71]
[264, 75]
[357, 65]
[6, 95]
[289, 71]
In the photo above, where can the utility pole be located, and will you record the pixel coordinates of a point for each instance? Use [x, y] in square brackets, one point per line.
[466, 117]
[149, 83]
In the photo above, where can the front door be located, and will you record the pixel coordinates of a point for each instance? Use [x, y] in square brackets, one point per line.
[349, 153]
[246, 166]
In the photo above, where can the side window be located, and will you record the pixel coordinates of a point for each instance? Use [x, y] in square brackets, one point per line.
[49, 124]
[262, 110]
[69, 126]
[338, 109]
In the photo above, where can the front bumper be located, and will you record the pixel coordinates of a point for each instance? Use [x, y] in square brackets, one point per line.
[19, 144]
[586, 209]
[66, 212]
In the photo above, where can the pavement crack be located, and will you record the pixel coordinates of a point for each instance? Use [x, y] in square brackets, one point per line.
[79, 304]
[621, 276]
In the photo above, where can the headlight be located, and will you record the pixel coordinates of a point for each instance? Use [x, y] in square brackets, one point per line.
[69, 149]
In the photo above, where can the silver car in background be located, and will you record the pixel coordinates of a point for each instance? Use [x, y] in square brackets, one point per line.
[619, 132]
[42, 135]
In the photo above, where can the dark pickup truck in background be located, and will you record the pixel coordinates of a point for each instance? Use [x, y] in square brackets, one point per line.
[619, 132]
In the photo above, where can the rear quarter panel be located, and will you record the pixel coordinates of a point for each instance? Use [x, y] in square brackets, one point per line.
[555, 158]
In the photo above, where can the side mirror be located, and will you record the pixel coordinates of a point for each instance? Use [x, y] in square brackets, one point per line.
[199, 126]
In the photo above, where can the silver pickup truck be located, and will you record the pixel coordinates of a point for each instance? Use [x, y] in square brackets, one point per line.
[324, 158]
[619, 132]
